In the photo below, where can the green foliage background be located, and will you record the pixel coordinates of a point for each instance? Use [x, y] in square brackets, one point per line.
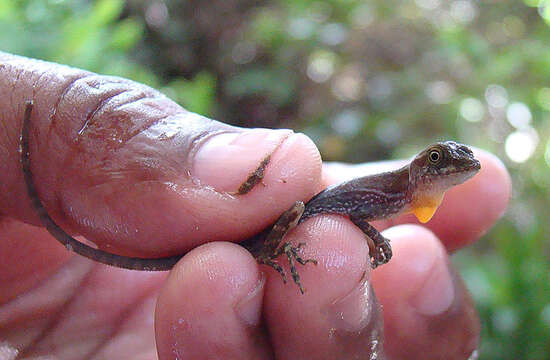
[367, 80]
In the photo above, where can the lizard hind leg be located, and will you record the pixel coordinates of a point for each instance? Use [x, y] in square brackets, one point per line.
[272, 247]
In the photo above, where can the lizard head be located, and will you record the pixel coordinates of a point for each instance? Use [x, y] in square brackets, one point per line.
[436, 169]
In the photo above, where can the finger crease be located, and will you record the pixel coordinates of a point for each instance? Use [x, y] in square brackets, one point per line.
[98, 107]
[66, 89]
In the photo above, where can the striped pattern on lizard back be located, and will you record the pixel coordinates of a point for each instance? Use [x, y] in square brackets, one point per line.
[371, 197]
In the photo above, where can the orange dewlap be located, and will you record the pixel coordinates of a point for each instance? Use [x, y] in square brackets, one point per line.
[424, 208]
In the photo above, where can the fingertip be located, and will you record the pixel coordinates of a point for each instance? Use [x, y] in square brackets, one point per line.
[215, 288]
[292, 173]
[339, 312]
[428, 313]
[296, 164]
[495, 182]
[215, 270]
[416, 253]
[329, 239]
[470, 209]
[225, 160]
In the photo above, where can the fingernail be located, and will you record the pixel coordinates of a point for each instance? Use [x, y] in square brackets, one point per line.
[354, 311]
[249, 309]
[437, 292]
[226, 160]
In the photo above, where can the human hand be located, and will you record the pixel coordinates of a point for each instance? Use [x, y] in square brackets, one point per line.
[120, 164]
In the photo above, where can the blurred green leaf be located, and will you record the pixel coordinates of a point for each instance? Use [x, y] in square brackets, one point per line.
[7, 9]
[276, 84]
[126, 34]
[197, 95]
[104, 12]
[267, 28]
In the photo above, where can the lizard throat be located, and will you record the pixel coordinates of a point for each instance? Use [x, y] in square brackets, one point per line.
[424, 207]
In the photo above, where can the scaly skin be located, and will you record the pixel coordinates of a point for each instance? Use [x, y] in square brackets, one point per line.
[416, 188]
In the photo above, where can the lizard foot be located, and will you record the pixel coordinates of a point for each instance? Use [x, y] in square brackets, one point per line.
[382, 254]
[292, 255]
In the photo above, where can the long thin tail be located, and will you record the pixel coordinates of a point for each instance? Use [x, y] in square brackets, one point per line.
[126, 262]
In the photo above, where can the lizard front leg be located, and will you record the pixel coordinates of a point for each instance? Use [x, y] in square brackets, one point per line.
[379, 247]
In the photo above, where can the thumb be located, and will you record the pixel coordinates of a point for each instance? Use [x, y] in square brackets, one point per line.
[129, 169]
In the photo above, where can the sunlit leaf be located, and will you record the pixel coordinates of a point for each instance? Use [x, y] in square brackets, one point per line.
[126, 34]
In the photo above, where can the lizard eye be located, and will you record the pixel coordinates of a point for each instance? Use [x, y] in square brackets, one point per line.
[434, 156]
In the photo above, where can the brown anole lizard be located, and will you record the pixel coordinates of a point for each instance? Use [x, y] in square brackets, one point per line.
[417, 188]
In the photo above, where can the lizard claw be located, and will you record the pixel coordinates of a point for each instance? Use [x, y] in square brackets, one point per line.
[382, 255]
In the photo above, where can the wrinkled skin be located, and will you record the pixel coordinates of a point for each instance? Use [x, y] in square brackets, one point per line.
[124, 166]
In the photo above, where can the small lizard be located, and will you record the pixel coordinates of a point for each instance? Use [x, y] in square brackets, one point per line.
[416, 188]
